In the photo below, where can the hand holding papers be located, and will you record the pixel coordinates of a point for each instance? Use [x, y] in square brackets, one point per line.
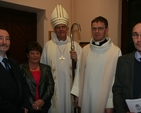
[134, 105]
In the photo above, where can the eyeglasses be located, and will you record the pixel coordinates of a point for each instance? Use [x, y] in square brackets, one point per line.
[98, 28]
[135, 35]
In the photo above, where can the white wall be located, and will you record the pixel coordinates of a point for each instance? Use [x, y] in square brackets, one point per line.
[80, 11]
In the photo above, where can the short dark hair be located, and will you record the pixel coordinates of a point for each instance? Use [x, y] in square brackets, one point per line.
[34, 46]
[138, 22]
[101, 19]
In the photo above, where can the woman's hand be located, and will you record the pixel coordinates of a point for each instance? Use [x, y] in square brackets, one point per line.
[37, 105]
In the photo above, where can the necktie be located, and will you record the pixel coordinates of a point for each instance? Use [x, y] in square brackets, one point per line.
[6, 64]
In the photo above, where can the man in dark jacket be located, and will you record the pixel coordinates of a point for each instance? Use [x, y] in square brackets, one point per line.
[127, 83]
[14, 91]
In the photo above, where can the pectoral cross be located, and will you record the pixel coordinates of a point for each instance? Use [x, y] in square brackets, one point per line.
[62, 58]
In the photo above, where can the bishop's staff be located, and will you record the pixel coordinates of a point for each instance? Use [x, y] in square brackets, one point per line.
[73, 48]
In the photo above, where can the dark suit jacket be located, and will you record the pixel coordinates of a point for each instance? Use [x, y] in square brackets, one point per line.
[14, 93]
[123, 85]
[46, 85]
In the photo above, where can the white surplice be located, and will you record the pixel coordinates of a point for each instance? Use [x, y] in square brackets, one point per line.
[96, 77]
[53, 51]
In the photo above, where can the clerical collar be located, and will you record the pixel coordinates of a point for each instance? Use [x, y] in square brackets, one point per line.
[99, 43]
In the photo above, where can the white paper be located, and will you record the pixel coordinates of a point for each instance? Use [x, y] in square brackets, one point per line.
[134, 105]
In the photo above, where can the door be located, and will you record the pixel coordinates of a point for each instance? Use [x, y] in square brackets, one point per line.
[22, 27]
[131, 14]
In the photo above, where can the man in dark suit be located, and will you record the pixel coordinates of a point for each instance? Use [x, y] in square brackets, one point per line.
[13, 87]
[127, 83]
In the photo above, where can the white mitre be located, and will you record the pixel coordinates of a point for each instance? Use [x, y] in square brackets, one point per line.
[59, 16]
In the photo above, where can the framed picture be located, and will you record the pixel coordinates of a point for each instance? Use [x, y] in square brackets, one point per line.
[82, 44]
[49, 34]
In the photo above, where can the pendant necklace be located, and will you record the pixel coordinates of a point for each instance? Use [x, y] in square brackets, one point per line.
[62, 53]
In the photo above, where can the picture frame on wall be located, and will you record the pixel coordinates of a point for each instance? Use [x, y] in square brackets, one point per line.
[82, 44]
[49, 34]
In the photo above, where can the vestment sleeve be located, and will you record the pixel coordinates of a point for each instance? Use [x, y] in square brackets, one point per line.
[110, 98]
[75, 87]
[44, 55]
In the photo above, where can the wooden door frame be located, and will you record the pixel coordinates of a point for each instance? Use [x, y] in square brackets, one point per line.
[124, 27]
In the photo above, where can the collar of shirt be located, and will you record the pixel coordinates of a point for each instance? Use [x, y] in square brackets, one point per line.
[99, 43]
[137, 56]
[1, 58]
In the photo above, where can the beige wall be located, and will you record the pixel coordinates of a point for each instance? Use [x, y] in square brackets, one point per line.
[86, 11]
[80, 11]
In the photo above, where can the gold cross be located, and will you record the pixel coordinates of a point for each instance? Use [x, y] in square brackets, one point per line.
[62, 58]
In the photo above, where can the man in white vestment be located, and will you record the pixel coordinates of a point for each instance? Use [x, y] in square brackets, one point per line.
[97, 70]
[57, 53]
